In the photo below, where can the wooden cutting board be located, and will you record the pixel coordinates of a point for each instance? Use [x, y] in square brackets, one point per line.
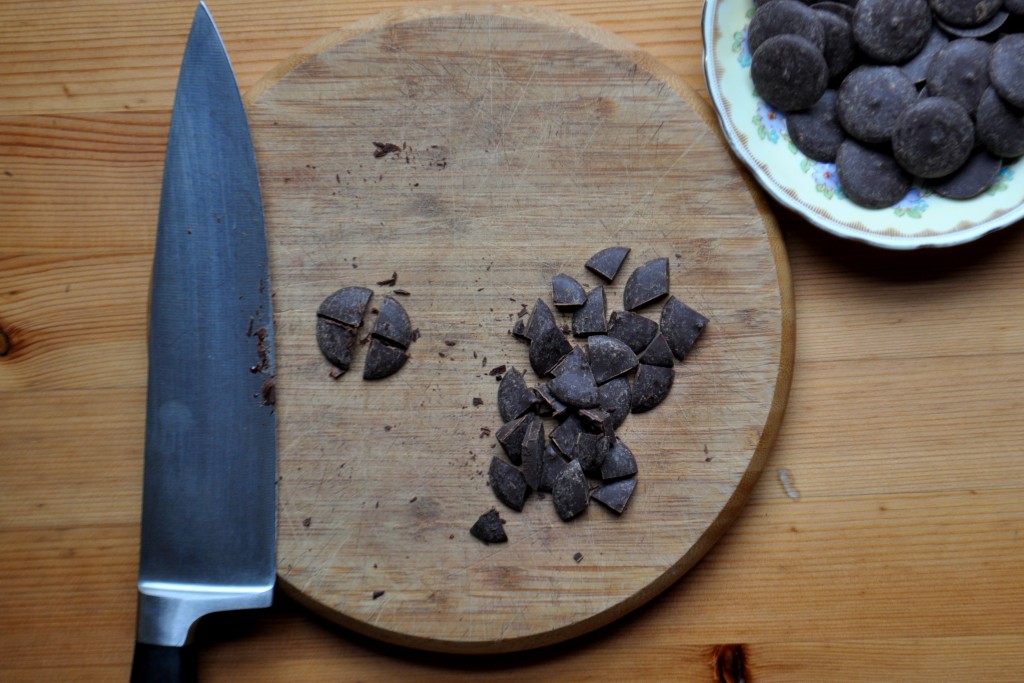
[527, 142]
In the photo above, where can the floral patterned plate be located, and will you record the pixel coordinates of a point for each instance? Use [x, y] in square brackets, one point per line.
[757, 134]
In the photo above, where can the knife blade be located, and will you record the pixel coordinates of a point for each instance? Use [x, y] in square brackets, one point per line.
[209, 510]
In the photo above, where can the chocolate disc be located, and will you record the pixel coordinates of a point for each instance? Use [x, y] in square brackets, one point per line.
[971, 179]
[781, 17]
[917, 68]
[965, 12]
[840, 48]
[960, 71]
[1006, 68]
[870, 178]
[1000, 126]
[871, 99]
[891, 31]
[933, 137]
[789, 72]
[816, 131]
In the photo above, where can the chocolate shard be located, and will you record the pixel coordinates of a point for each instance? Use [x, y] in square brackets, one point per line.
[519, 330]
[552, 465]
[609, 357]
[383, 360]
[336, 342]
[547, 348]
[570, 491]
[619, 462]
[566, 293]
[514, 397]
[510, 436]
[489, 528]
[590, 318]
[346, 306]
[598, 421]
[591, 452]
[541, 319]
[681, 326]
[576, 387]
[647, 283]
[615, 398]
[616, 494]
[564, 436]
[533, 453]
[508, 484]
[651, 386]
[657, 352]
[632, 328]
[393, 323]
[574, 359]
[607, 262]
[547, 404]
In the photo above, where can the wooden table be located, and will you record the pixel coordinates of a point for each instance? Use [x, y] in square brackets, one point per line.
[883, 543]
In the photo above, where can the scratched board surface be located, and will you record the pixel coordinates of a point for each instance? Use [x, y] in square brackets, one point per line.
[513, 144]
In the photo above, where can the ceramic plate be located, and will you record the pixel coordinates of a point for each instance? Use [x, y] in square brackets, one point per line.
[757, 134]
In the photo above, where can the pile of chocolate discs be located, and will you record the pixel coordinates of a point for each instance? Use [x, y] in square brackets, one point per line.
[896, 90]
[622, 364]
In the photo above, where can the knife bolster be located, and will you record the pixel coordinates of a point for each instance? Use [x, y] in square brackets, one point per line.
[167, 613]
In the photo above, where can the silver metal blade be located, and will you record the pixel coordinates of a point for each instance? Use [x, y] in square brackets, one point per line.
[209, 505]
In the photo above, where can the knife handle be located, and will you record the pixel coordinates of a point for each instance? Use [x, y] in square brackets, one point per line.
[164, 664]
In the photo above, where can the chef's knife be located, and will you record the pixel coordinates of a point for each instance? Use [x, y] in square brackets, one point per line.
[208, 537]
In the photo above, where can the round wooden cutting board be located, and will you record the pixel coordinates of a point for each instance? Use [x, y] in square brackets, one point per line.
[526, 142]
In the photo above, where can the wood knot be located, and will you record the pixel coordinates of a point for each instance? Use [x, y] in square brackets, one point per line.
[729, 664]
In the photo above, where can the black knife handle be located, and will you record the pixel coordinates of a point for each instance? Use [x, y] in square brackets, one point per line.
[164, 664]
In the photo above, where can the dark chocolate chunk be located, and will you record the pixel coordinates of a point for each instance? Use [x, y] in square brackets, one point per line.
[510, 435]
[959, 71]
[489, 528]
[891, 31]
[591, 452]
[816, 131]
[607, 262]
[508, 484]
[566, 293]
[632, 328]
[870, 178]
[978, 174]
[393, 323]
[933, 138]
[917, 68]
[576, 358]
[1000, 126]
[547, 404]
[658, 352]
[346, 306]
[840, 48]
[533, 453]
[383, 360]
[609, 357]
[547, 348]
[514, 397]
[965, 12]
[565, 435]
[552, 463]
[570, 492]
[519, 329]
[1006, 68]
[651, 386]
[540, 320]
[590, 318]
[615, 398]
[615, 495]
[785, 17]
[789, 72]
[336, 342]
[981, 31]
[619, 462]
[576, 387]
[647, 283]
[681, 326]
[598, 421]
[871, 99]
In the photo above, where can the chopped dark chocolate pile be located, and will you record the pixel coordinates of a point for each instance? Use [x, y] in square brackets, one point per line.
[514, 397]
[681, 326]
[566, 293]
[647, 283]
[607, 262]
[383, 360]
[609, 357]
[651, 386]
[632, 328]
[590, 318]
[489, 528]
[616, 494]
[508, 484]
[570, 491]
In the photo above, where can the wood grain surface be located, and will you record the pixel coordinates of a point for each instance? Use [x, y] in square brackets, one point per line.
[524, 141]
[884, 541]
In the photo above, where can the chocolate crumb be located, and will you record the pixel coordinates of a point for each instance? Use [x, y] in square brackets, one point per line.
[307, 521]
[477, 401]
[384, 149]
[377, 594]
[402, 292]
[390, 282]
[578, 557]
